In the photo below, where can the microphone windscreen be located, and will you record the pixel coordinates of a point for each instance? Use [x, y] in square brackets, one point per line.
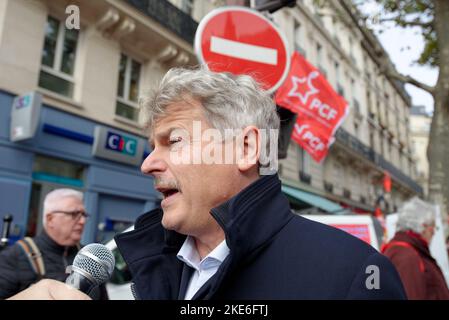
[96, 260]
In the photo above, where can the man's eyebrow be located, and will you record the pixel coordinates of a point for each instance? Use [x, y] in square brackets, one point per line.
[161, 135]
[166, 133]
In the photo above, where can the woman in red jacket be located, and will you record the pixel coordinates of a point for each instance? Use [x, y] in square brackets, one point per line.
[409, 252]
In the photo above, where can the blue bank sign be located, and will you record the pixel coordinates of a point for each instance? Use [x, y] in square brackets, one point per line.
[25, 114]
[120, 143]
[117, 146]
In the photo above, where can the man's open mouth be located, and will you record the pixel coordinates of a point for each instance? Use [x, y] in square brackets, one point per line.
[167, 192]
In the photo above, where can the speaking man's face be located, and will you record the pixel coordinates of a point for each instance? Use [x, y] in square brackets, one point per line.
[186, 170]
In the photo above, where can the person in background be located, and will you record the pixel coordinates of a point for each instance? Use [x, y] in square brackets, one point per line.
[409, 252]
[49, 253]
[447, 246]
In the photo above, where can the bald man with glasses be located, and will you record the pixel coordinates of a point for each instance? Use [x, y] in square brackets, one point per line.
[64, 217]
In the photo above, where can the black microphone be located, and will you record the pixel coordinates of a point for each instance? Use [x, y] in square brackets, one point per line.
[92, 266]
[7, 219]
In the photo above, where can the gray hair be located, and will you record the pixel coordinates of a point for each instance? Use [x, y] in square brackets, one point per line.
[414, 214]
[52, 198]
[229, 101]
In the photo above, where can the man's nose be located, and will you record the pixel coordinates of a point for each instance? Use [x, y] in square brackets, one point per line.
[153, 163]
[82, 219]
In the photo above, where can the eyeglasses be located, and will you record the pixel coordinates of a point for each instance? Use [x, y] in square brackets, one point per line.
[433, 227]
[75, 215]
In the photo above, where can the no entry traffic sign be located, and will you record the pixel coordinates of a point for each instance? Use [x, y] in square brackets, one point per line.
[242, 41]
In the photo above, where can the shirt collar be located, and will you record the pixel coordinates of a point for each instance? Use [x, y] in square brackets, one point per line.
[189, 255]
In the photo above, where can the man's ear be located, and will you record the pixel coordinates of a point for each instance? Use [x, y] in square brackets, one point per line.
[248, 148]
[48, 220]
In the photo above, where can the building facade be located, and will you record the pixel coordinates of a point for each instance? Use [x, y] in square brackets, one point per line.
[420, 121]
[90, 81]
[375, 137]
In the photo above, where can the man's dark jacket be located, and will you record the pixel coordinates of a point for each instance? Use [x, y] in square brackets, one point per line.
[16, 273]
[274, 254]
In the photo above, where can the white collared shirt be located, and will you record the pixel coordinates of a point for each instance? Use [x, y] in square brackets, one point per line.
[204, 269]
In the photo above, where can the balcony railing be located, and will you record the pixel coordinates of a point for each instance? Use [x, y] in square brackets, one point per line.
[168, 16]
[357, 146]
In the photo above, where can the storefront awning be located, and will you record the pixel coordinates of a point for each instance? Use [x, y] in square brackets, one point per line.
[312, 199]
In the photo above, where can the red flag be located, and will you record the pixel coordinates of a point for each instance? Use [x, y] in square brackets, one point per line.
[311, 137]
[387, 182]
[320, 109]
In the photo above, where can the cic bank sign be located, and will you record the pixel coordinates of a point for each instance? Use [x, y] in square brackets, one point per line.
[122, 144]
[117, 146]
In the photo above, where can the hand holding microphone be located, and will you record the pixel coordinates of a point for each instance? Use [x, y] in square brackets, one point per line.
[92, 266]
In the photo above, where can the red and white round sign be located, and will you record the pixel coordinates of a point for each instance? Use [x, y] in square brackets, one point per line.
[242, 41]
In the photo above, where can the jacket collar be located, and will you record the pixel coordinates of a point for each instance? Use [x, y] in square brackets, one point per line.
[255, 212]
[47, 242]
[250, 220]
[415, 240]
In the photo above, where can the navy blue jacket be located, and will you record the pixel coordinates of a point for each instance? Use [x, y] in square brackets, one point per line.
[274, 254]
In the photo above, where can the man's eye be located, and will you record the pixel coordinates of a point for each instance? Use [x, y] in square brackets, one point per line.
[174, 140]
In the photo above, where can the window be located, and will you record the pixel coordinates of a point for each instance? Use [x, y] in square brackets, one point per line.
[320, 60]
[390, 149]
[319, 54]
[128, 88]
[351, 50]
[297, 32]
[58, 58]
[338, 176]
[187, 6]
[340, 90]
[334, 24]
[353, 88]
[371, 138]
[303, 160]
[298, 38]
[337, 72]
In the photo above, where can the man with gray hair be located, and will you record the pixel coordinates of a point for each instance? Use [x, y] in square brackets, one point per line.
[49, 253]
[409, 252]
[225, 229]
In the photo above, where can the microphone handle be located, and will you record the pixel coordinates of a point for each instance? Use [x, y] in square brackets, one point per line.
[5, 232]
[80, 282]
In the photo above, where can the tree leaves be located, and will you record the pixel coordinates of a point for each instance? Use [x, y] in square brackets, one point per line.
[412, 14]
